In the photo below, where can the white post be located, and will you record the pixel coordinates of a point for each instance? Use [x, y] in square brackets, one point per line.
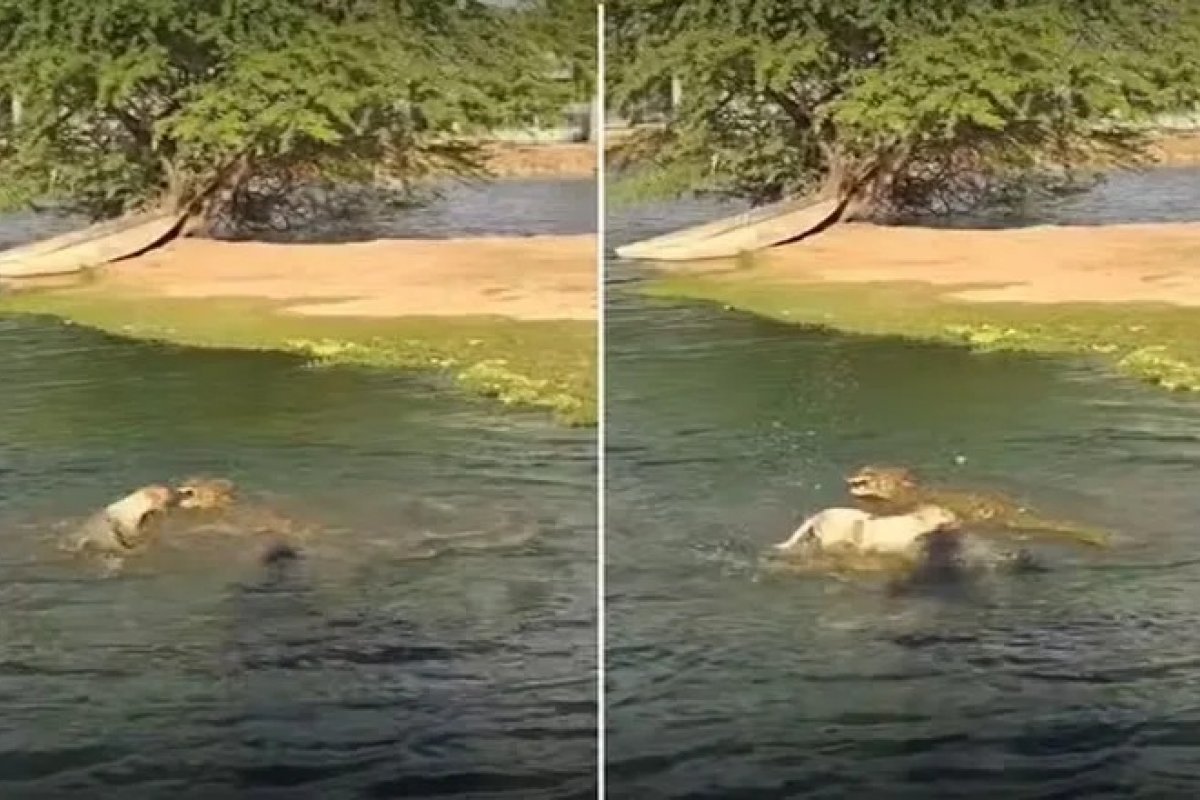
[676, 92]
[595, 118]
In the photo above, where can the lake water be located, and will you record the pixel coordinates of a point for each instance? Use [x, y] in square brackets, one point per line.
[725, 430]
[356, 672]
[510, 208]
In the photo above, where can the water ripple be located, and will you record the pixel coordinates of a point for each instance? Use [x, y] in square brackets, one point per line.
[353, 673]
[724, 431]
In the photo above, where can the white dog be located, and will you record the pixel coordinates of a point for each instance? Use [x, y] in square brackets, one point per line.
[121, 527]
[853, 529]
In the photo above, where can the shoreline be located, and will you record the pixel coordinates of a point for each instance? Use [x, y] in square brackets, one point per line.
[573, 160]
[1129, 294]
[512, 161]
[1176, 149]
[508, 318]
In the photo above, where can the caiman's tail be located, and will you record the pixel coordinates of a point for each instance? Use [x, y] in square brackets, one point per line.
[1061, 531]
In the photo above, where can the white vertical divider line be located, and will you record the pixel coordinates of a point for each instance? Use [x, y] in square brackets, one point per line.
[601, 125]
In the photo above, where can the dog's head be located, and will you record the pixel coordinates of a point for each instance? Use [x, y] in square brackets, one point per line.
[130, 514]
[159, 497]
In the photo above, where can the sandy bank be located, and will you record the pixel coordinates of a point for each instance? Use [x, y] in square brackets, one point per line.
[534, 278]
[1153, 263]
[558, 160]
[578, 159]
[1177, 149]
[1127, 294]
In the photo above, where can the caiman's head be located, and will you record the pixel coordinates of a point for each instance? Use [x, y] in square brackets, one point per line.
[876, 482]
[206, 493]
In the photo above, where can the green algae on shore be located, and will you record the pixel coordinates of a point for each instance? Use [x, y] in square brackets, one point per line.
[522, 363]
[1155, 343]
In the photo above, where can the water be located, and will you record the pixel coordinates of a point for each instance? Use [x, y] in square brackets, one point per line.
[512, 208]
[725, 430]
[354, 673]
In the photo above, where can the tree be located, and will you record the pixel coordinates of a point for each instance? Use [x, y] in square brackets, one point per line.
[565, 29]
[237, 109]
[896, 105]
[545, 62]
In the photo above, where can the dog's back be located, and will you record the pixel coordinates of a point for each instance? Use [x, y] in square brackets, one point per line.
[893, 534]
[833, 525]
[905, 532]
[840, 526]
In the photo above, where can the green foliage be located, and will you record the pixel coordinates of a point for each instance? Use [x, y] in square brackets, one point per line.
[915, 104]
[565, 29]
[256, 106]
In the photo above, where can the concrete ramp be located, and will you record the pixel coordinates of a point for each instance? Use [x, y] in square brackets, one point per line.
[725, 238]
[92, 246]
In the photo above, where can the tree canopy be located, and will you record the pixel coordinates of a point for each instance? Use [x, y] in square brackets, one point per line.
[901, 105]
[233, 107]
[566, 29]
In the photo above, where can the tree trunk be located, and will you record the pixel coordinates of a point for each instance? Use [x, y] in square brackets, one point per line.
[855, 187]
[859, 187]
[202, 205]
[196, 226]
[840, 185]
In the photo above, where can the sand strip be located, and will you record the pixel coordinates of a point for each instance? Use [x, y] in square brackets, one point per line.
[1147, 263]
[538, 277]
